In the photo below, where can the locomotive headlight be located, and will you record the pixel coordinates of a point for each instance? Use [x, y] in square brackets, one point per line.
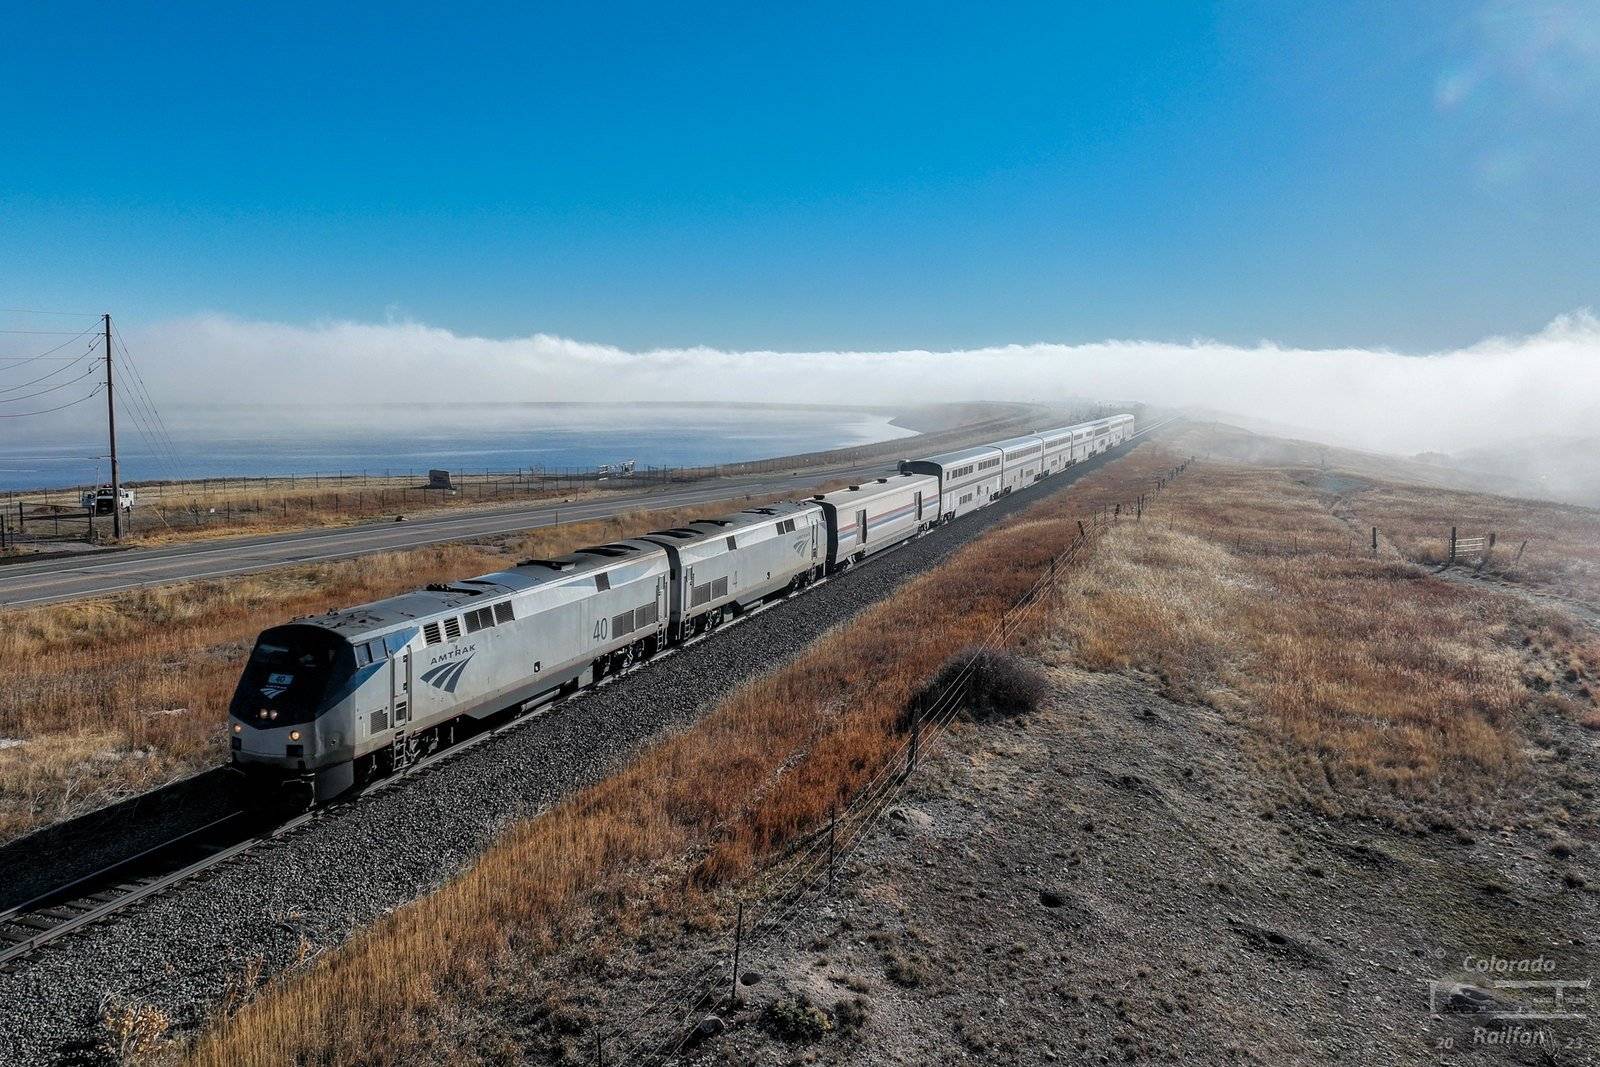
[294, 735]
[238, 727]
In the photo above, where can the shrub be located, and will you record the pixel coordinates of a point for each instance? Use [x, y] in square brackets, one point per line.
[796, 1019]
[998, 685]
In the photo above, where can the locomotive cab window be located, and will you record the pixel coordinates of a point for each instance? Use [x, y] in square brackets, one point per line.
[288, 673]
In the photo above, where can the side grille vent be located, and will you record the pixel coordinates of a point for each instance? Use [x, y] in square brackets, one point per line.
[430, 633]
[503, 612]
[452, 628]
[380, 722]
[622, 624]
[647, 615]
[719, 588]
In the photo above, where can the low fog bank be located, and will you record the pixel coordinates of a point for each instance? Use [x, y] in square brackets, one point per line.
[1452, 402]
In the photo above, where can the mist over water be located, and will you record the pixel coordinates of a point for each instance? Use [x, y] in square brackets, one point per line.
[245, 440]
[320, 376]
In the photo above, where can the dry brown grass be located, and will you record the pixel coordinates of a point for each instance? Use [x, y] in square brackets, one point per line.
[713, 794]
[1563, 540]
[1415, 504]
[194, 511]
[1379, 689]
[120, 694]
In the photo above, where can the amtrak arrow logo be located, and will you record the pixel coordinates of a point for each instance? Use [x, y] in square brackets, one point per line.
[446, 675]
[272, 691]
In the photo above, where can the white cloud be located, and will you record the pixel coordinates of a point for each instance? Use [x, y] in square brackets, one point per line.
[1546, 383]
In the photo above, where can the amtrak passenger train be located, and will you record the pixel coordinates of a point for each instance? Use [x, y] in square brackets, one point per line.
[330, 701]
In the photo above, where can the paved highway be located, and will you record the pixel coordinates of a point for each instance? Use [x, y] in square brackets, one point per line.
[96, 574]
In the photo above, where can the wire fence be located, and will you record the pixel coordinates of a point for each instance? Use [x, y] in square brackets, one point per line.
[771, 906]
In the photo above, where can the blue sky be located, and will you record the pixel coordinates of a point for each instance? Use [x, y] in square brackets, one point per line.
[812, 176]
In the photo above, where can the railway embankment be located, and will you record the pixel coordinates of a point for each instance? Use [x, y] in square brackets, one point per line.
[210, 943]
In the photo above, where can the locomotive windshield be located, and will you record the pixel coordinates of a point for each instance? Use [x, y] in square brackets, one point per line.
[288, 673]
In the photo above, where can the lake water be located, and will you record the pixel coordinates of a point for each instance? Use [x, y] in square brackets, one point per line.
[243, 441]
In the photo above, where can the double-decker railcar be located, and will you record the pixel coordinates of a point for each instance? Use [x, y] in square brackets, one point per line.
[866, 519]
[1021, 462]
[969, 478]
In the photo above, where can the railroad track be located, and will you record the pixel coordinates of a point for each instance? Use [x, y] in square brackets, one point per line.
[29, 926]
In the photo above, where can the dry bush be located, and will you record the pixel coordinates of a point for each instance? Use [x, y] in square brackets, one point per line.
[697, 811]
[995, 683]
[119, 694]
[132, 1032]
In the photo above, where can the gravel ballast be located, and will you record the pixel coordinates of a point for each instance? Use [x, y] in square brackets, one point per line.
[266, 909]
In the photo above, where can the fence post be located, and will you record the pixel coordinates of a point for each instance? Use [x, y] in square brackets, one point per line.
[1374, 540]
[916, 734]
[738, 944]
[833, 819]
[1519, 552]
[1452, 544]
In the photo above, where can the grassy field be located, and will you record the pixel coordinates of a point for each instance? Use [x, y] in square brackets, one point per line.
[1378, 688]
[1414, 506]
[103, 698]
[698, 812]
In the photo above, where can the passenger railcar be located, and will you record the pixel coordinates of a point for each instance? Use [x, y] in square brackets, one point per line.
[1021, 460]
[968, 478]
[866, 519]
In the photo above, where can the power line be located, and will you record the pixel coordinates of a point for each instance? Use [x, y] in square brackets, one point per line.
[41, 333]
[25, 360]
[63, 314]
[90, 369]
[62, 407]
[141, 391]
[86, 354]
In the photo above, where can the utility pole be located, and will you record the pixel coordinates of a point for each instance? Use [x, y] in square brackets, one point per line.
[111, 428]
